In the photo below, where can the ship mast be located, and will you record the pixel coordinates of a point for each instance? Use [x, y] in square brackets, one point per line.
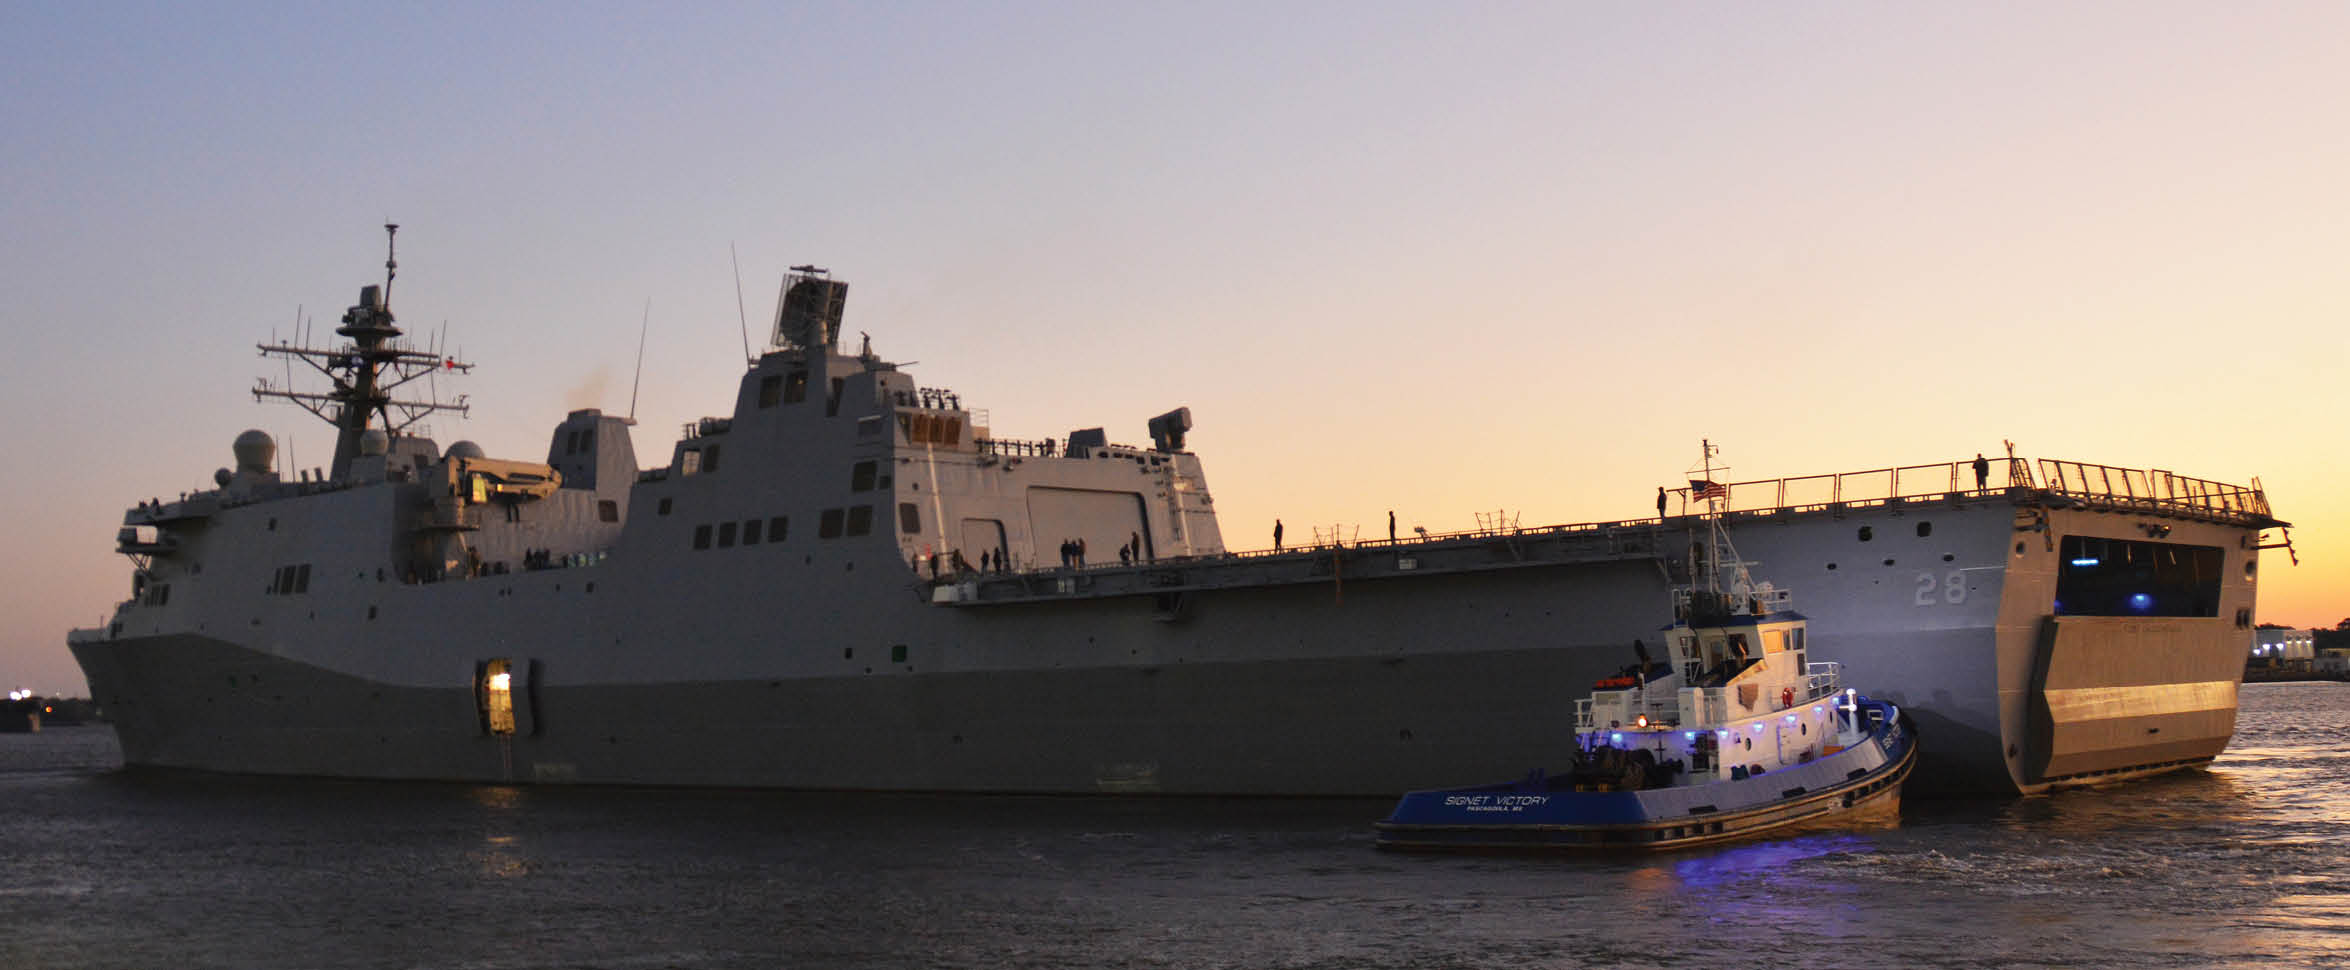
[365, 371]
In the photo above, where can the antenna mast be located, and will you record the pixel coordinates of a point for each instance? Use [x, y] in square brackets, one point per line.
[739, 314]
[1723, 583]
[633, 382]
[364, 373]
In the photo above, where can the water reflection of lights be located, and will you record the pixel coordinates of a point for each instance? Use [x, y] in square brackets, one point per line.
[1774, 863]
[502, 855]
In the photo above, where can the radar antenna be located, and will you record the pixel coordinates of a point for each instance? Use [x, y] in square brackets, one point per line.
[363, 373]
[808, 312]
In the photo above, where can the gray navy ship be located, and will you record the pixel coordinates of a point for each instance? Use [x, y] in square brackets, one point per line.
[852, 582]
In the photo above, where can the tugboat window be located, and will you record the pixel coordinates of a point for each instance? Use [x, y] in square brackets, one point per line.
[701, 537]
[725, 535]
[751, 532]
[860, 520]
[776, 528]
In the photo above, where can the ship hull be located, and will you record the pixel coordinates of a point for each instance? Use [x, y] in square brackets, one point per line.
[1371, 686]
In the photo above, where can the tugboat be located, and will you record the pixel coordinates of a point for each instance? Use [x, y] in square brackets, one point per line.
[1733, 735]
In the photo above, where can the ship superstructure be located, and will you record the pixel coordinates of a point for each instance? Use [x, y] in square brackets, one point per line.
[852, 582]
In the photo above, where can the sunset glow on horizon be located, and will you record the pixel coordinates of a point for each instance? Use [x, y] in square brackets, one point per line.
[1512, 258]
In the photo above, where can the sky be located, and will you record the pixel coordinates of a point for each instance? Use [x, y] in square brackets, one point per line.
[1439, 259]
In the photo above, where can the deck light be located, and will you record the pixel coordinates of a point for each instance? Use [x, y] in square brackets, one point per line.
[1615, 739]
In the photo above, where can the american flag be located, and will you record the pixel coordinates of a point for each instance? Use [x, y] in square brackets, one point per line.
[1702, 489]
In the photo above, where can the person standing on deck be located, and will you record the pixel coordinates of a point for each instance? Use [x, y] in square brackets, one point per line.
[1982, 472]
[1276, 535]
[1660, 501]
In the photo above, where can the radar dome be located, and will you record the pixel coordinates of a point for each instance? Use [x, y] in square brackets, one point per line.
[465, 449]
[256, 452]
[374, 441]
[222, 476]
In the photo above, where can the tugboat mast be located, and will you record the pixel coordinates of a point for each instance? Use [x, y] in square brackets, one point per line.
[366, 371]
[1722, 586]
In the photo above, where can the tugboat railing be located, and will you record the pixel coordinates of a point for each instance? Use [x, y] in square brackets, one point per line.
[1822, 679]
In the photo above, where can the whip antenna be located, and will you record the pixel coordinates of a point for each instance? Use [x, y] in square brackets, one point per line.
[640, 355]
[738, 303]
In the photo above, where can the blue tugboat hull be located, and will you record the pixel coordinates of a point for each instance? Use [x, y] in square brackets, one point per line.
[1548, 813]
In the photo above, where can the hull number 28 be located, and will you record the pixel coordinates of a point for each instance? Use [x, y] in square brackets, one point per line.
[1948, 588]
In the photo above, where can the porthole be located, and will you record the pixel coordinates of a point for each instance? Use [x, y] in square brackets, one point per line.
[1831, 567]
[2019, 548]
[1925, 529]
[1888, 562]
[1946, 557]
[1867, 533]
[2251, 566]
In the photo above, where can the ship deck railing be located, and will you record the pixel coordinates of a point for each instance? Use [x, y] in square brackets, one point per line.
[2109, 486]
[1336, 563]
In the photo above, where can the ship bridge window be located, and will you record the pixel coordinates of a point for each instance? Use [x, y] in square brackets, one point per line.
[909, 518]
[777, 528]
[2098, 576]
[607, 510]
[725, 535]
[861, 477]
[662, 509]
[860, 520]
[701, 537]
[828, 524]
[795, 387]
[709, 459]
[751, 532]
[770, 390]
